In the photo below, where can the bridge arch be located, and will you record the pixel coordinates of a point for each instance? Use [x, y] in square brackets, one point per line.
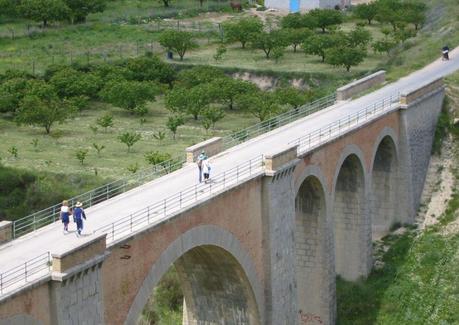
[384, 183]
[315, 275]
[352, 228]
[224, 267]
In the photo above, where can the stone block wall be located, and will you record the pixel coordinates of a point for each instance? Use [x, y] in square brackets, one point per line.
[6, 231]
[419, 119]
[211, 147]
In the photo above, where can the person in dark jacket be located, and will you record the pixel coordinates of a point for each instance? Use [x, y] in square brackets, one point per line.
[78, 216]
[445, 51]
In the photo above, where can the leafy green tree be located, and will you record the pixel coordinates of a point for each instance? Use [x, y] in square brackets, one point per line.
[129, 139]
[160, 135]
[402, 34]
[13, 151]
[173, 123]
[150, 68]
[390, 12]
[9, 8]
[191, 101]
[415, 13]
[260, 104]
[367, 11]
[320, 43]
[292, 96]
[292, 21]
[296, 36]
[41, 106]
[81, 155]
[177, 41]
[156, 157]
[242, 30]
[79, 102]
[166, 3]
[218, 56]
[129, 94]
[199, 75]
[69, 82]
[359, 36]
[80, 9]
[226, 89]
[44, 10]
[346, 56]
[98, 148]
[267, 41]
[211, 115]
[278, 53]
[105, 121]
[326, 17]
[11, 93]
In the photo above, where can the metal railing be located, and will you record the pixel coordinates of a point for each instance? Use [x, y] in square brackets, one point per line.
[278, 121]
[49, 215]
[28, 271]
[164, 208]
[339, 127]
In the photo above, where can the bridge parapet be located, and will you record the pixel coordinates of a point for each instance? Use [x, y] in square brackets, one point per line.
[79, 255]
[275, 161]
[360, 85]
[6, 231]
[211, 147]
[411, 96]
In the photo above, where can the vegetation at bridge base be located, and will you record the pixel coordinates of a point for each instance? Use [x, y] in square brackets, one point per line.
[418, 284]
[166, 303]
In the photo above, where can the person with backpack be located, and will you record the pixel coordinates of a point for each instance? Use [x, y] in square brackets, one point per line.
[78, 216]
[202, 156]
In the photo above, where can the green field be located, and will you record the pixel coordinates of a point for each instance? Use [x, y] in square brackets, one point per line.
[57, 152]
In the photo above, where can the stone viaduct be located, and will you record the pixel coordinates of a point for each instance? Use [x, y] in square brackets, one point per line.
[266, 251]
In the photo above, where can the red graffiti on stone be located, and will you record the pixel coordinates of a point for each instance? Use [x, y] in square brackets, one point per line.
[309, 318]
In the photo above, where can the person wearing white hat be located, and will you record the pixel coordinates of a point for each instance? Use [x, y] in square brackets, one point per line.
[78, 216]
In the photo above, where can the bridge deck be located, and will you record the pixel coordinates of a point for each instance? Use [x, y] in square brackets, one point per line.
[51, 238]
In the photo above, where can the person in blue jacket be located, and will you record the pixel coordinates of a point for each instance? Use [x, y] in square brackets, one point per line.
[78, 216]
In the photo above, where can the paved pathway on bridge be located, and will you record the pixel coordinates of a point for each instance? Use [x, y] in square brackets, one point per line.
[51, 238]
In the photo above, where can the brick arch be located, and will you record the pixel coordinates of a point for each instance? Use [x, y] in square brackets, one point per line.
[202, 240]
[315, 274]
[384, 181]
[352, 227]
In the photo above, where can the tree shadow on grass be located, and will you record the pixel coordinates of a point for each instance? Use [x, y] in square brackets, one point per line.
[359, 302]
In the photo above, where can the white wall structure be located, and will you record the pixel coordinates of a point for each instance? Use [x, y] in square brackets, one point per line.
[304, 5]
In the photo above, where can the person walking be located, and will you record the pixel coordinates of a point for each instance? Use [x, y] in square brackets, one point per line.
[206, 170]
[65, 215]
[202, 156]
[445, 51]
[78, 216]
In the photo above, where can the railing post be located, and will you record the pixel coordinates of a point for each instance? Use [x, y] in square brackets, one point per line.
[34, 222]
[180, 199]
[195, 192]
[131, 222]
[1, 283]
[237, 174]
[224, 179]
[164, 207]
[113, 231]
[148, 214]
[25, 270]
[90, 199]
[106, 192]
